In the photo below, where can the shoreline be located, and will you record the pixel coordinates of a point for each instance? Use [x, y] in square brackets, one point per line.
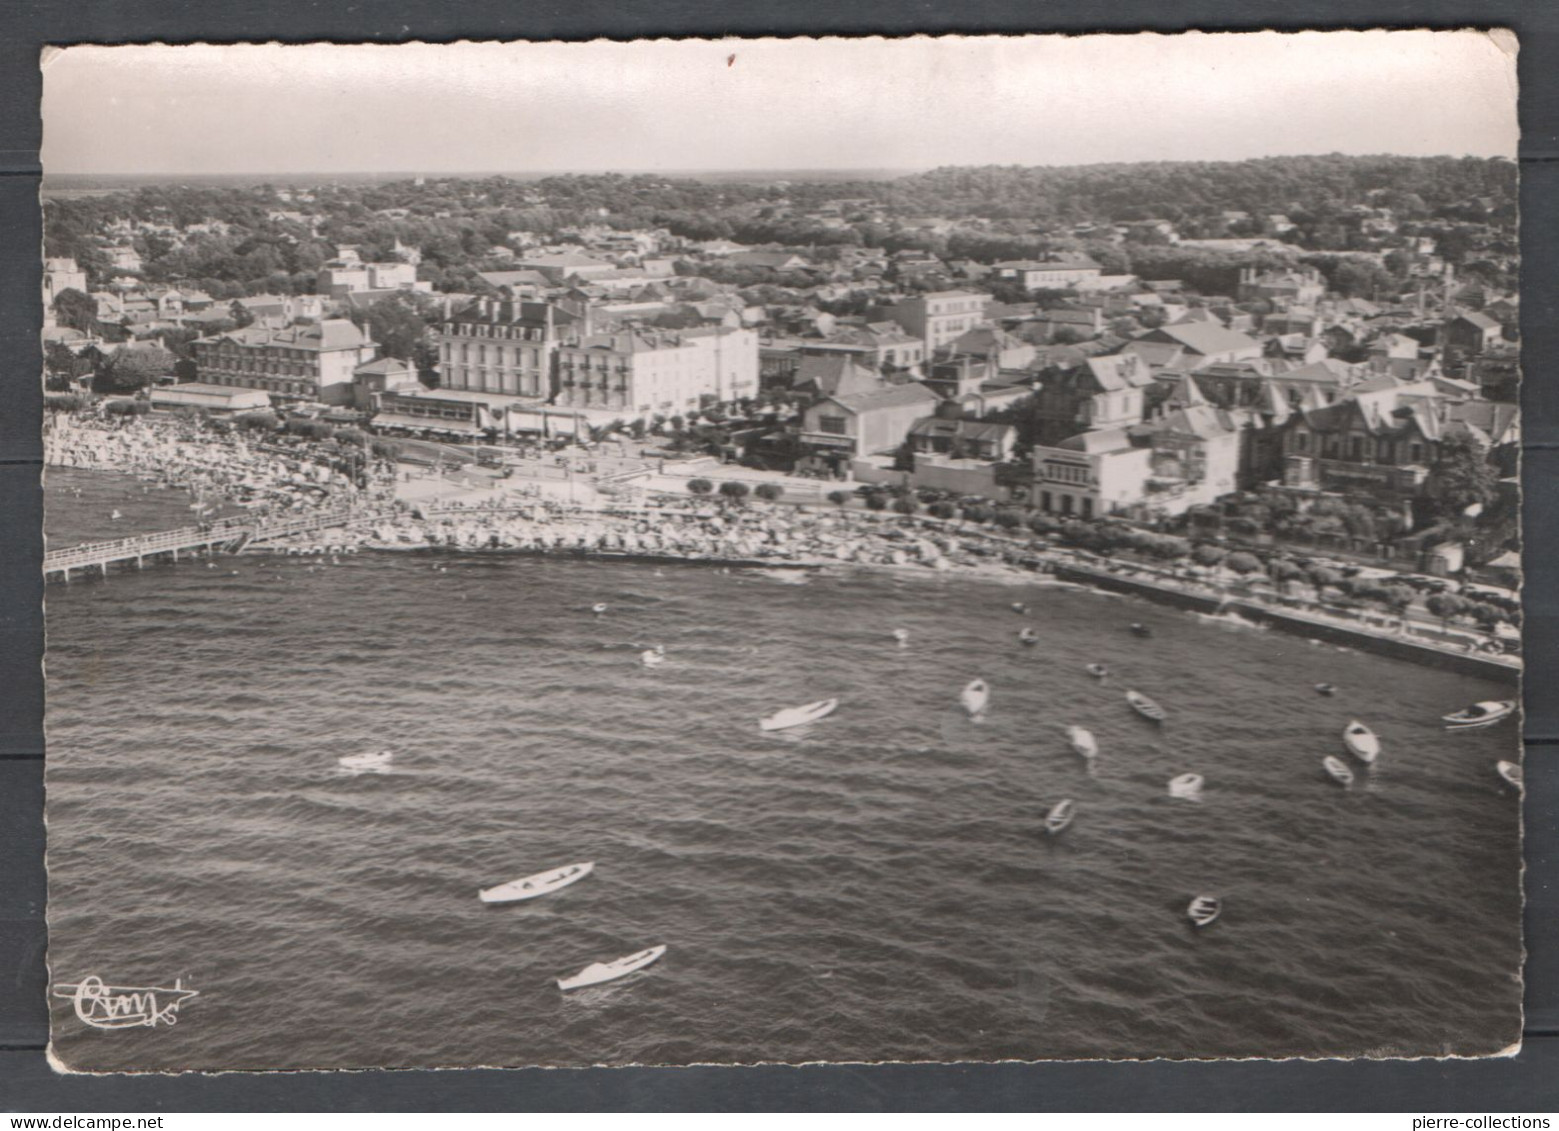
[910, 547]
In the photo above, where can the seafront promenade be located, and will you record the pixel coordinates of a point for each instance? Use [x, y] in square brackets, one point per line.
[298, 503]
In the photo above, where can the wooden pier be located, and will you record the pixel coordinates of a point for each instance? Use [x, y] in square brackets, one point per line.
[228, 535]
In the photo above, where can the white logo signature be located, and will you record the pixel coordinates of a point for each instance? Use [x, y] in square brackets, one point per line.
[124, 1007]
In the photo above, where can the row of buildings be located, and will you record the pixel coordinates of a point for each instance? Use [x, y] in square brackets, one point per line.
[1110, 394]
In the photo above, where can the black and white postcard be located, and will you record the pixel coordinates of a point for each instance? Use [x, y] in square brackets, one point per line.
[738, 551]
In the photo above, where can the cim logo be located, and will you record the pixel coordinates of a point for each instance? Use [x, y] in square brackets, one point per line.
[125, 1007]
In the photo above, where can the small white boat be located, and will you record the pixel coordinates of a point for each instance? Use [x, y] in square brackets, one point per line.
[598, 972]
[1098, 671]
[598, 608]
[1188, 786]
[975, 696]
[116, 514]
[1140, 629]
[1145, 706]
[799, 716]
[1060, 816]
[1203, 910]
[1338, 769]
[376, 762]
[539, 884]
[1020, 608]
[1487, 713]
[1325, 689]
[1511, 772]
[652, 657]
[1361, 742]
[1028, 637]
[901, 635]
[1083, 742]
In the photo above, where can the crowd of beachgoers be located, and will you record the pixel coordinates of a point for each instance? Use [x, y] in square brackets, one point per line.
[749, 534]
[279, 475]
[268, 474]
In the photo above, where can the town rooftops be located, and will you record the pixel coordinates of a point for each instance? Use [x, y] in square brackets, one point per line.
[1326, 370]
[894, 396]
[1098, 441]
[772, 259]
[261, 302]
[962, 428]
[1201, 420]
[332, 334]
[954, 294]
[385, 367]
[1080, 264]
[1157, 354]
[1119, 371]
[525, 278]
[564, 259]
[1492, 422]
[195, 394]
[983, 340]
[1477, 318]
[836, 375]
[1204, 337]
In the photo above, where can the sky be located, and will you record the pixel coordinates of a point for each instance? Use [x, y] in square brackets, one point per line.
[665, 105]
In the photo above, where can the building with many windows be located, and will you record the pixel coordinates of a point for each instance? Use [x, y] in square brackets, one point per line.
[641, 373]
[502, 346]
[1035, 275]
[347, 275]
[939, 317]
[1090, 474]
[428, 411]
[300, 363]
[838, 428]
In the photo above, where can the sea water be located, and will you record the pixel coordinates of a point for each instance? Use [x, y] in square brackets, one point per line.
[876, 886]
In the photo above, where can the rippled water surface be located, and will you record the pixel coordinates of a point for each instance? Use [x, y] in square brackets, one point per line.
[874, 886]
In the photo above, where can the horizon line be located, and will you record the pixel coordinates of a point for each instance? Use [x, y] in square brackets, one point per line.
[753, 170]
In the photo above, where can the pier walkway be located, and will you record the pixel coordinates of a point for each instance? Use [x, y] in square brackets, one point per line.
[227, 535]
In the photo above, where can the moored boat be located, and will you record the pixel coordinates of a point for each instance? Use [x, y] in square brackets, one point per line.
[1145, 706]
[1325, 689]
[1060, 816]
[377, 761]
[1138, 629]
[598, 608]
[1338, 769]
[541, 883]
[799, 716]
[1083, 742]
[652, 657]
[975, 695]
[598, 972]
[1098, 671]
[1028, 637]
[1361, 742]
[1511, 772]
[1188, 786]
[902, 636]
[1203, 910]
[1483, 714]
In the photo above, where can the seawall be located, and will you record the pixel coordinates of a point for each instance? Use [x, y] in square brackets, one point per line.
[1364, 639]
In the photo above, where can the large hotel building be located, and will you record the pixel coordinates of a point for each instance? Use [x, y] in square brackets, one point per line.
[502, 346]
[305, 362]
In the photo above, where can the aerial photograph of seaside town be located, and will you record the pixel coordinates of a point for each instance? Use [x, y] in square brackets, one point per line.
[1036, 607]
